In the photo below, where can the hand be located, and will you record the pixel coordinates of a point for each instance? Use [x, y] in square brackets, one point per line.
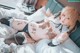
[55, 41]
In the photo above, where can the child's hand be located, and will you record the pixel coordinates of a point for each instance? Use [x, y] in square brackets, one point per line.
[55, 41]
[61, 38]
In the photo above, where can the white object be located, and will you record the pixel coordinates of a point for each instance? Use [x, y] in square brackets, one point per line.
[43, 47]
[27, 48]
[66, 47]
[55, 42]
[39, 15]
[6, 31]
[4, 13]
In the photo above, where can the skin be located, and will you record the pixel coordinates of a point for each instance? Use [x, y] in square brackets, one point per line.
[68, 16]
[18, 24]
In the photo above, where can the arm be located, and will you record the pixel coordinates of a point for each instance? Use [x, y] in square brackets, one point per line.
[59, 39]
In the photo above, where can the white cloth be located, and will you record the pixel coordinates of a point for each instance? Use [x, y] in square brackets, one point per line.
[15, 13]
[13, 48]
[27, 48]
[6, 31]
[4, 48]
[42, 47]
[37, 16]
[4, 13]
[67, 47]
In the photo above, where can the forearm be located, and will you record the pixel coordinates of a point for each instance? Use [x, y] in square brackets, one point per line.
[63, 37]
[60, 39]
